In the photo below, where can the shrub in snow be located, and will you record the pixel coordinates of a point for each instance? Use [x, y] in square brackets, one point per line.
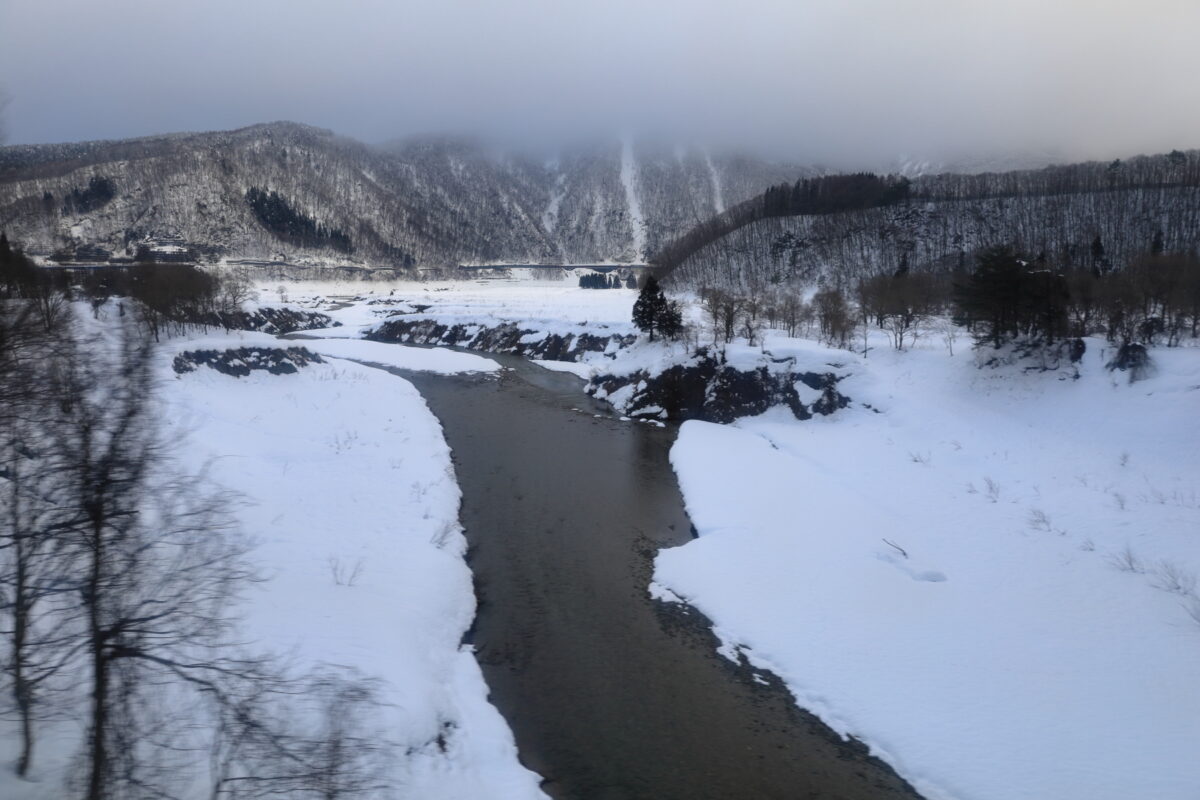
[1134, 359]
[241, 361]
[1034, 354]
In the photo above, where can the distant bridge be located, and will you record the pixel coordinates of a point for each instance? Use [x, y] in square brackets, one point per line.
[565, 267]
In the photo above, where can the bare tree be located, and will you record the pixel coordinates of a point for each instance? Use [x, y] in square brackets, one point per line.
[159, 565]
[751, 316]
[117, 564]
[326, 742]
[38, 637]
[833, 314]
[723, 310]
[792, 312]
[234, 289]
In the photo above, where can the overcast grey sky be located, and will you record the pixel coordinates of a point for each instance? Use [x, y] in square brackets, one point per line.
[841, 82]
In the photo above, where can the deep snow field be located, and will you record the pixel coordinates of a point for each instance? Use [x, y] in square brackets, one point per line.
[347, 488]
[1030, 628]
[545, 305]
[988, 575]
[353, 497]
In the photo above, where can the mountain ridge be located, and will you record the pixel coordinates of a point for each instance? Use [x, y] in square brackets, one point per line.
[427, 202]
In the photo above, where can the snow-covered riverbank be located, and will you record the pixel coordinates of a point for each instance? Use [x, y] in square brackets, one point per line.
[352, 497]
[988, 576]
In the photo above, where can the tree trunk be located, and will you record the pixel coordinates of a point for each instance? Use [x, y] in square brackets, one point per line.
[21, 611]
[22, 692]
[98, 744]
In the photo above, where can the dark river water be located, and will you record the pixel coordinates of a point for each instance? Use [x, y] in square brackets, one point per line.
[611, 694]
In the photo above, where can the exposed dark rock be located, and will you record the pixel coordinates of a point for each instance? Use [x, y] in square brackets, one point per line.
[239, 362]
[268, 320]
[708, 390]
[705, 389]
[504, 338]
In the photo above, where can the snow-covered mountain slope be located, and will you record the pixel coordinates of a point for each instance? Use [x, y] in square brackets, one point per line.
[945, 234]
[1062, 215]
[426, 202]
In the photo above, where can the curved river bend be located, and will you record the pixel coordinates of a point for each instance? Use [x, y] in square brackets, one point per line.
[611, 695]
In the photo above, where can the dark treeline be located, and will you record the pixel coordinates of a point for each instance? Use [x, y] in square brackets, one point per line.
[292, 226]
[874, 222]
[829, 194]
[121, 573]
[166, 298]
[833, 193]
[1002, 296]
[1155, 300]
[99, 192]
[1174, 169]
[600, 280]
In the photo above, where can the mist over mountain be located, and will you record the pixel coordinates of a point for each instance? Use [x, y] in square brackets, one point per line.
[326, 199]
[294, 195]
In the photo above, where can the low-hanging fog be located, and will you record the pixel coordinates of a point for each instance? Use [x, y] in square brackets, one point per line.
[840, 82]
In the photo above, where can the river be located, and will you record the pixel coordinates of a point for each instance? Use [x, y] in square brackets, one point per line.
[610, 694]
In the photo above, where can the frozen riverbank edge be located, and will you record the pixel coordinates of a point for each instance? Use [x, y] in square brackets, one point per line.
[352, 493]
[646, 380]
[1026, 629]
[986, 575]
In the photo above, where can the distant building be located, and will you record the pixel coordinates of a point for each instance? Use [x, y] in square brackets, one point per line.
[168, 249]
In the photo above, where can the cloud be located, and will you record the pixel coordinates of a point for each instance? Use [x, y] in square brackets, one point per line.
[835, 81]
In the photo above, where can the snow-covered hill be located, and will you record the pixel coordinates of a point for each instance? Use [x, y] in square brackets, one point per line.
[428, 202]
[944, 234]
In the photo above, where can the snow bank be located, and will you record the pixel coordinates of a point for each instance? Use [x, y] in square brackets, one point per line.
[584, 371]
[444, 362]
[1024, 631]
[353, 499]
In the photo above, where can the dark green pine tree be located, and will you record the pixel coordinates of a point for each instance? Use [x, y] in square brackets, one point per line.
[670, 321]
[990, 301]
[649, 308]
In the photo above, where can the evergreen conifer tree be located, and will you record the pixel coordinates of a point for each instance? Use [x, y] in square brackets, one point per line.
[649, 308]
[670, 321]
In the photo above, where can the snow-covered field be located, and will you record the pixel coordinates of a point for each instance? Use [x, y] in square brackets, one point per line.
[549, 305]
[349, 492]
[353, 499]
[546, 307]
[445, 362]
[988, 576]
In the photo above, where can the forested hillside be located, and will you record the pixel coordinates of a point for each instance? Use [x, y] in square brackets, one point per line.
[292, 193]
[838, 230]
